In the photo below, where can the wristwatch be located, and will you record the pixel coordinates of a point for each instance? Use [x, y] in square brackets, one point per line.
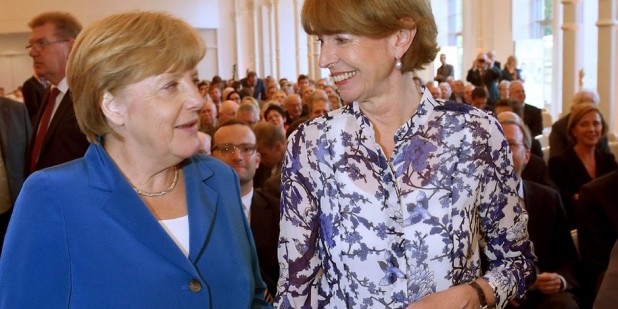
[481, 294]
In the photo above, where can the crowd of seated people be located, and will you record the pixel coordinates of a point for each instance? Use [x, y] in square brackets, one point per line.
[576, 180]
[550, 189]
[249, 120]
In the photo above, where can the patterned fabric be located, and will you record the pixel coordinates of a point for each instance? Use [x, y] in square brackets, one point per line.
[359, 230]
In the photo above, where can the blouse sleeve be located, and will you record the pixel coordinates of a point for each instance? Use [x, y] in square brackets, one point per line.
[504, 224]
[298, 242]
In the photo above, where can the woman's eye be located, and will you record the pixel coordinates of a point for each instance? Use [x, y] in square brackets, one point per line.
[171, 86]
[342, 39]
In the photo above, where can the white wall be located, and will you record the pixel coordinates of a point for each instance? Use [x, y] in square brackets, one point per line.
[15, 64]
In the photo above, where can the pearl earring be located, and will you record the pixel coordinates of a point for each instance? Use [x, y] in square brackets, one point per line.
[398, 64]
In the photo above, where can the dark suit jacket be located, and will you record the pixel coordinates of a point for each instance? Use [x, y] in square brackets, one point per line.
[569, 174]
[597, 226]
[560, 141]
[489, 80]
[272, 186]
[607, 296]
[265, 228]
[261, 174]
[443, 72]
[81, 237]
[33, 93]
[15, 135]
[260, 89]
[548, 230]
[536, 170]
[533, 118]
[63, 141]
[507, 76]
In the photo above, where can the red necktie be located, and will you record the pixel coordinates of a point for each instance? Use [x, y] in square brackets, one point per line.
[43, 125]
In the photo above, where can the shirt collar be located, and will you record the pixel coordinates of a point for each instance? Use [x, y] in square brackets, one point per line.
[63, 86]
[246, 203]
[520, 189]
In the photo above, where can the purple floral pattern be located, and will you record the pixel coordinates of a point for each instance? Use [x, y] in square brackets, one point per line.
[363, 231]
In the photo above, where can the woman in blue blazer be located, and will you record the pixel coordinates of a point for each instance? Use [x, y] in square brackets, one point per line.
[140, 221]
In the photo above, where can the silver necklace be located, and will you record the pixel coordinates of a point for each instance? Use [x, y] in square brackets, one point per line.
[160, 193]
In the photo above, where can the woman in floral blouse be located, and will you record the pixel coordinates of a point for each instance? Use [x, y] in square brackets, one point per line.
[394, 200]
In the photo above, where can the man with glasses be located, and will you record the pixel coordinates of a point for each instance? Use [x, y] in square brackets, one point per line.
[547, 228]
[235, 144]
[56, 135]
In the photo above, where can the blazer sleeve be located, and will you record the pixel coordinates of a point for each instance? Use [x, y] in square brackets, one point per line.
[35, 266]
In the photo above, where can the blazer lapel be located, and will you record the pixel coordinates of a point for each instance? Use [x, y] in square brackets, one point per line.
[125, 207]
[202, 201]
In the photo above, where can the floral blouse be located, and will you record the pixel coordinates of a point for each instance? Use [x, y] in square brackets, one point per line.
[359, 230]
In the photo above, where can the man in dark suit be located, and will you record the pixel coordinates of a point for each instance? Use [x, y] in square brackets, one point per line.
[458, 91]
[484, 74]
[56, 135]
[532, 114]
[444, 71]
[548, 230]
[597, 227]
[536, 171]
[492, 57]
[15, 135]
[271, 144]
[33, 90]
[235, 144]
[256, 85]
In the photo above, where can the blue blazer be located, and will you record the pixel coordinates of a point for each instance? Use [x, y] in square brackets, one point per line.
[80, 237]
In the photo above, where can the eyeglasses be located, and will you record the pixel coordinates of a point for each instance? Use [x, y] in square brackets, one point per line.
[513, 144]
[40, 45]
[228, 149]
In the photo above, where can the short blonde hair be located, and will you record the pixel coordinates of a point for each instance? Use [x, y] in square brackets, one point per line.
[123, 49]
[377, 19]
[250, 99]
[578, 113]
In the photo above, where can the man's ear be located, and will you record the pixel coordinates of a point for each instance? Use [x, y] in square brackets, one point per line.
[527, 157]
[258, 159]
[112, 110]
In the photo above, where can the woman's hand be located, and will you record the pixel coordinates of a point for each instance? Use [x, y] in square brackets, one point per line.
[460, 296]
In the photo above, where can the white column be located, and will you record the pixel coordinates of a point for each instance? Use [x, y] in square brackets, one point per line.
[310, 60]
[471, 33]
[606, 69]
[237, 61]
[257, 37]
[555, 107]
[271, 41]
[277, 45]
[296, 36]
[572, 42]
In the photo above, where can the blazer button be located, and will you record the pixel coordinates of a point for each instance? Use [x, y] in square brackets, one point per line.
[195, 285]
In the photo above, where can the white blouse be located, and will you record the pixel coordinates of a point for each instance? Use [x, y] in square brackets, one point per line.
[178, 229]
